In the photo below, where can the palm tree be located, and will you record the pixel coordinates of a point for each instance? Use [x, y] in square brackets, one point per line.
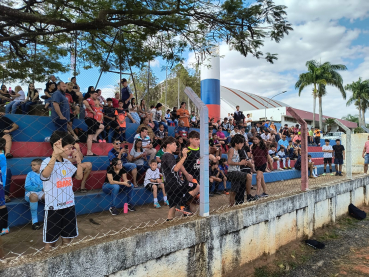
[329, 122]
[320, 75]
[352, 118]
[360, 97]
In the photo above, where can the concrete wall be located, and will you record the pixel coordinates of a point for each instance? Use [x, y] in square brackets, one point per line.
[357, 145]
[212, 246]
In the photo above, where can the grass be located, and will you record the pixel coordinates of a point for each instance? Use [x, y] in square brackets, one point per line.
[265, 272]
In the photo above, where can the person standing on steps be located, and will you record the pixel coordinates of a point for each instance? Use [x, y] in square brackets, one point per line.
[366, 155]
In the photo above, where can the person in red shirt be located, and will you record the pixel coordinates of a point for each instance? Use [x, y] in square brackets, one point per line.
[72, 116]
[94, 127]
[116, 100]
[184, 115]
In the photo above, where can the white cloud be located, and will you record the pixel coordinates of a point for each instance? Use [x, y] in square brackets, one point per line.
[155, 63]
[317, 35]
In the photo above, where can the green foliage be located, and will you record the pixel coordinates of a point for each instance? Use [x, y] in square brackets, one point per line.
[360, 97]
[352, 118]
[359, 130]
[329, 121]
[113, 35]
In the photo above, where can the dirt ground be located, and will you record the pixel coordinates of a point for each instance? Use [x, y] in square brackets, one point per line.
[346, 253]
[23, 240]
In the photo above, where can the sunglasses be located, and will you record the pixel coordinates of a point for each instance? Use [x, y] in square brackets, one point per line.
[117, 143]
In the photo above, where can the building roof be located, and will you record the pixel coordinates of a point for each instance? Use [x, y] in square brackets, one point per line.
[250, 102]
[247, 101]
[309, 116]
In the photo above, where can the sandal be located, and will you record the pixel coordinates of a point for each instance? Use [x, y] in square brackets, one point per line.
[83, 190]
[9, 156]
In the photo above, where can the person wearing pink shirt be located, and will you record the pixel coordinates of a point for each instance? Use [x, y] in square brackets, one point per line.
[222, 137]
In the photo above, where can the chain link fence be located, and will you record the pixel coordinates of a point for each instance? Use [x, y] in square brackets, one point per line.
[103, 175]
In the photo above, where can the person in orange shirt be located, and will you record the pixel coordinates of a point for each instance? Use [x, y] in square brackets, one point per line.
[120, 115]
[184, 114]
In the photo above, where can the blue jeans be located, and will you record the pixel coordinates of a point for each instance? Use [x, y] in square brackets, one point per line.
[60, 124]
[25, 106]
[157, 124]
[129, 166]
[114, 191]
[142, 168]
[8, 181]
[12, 106]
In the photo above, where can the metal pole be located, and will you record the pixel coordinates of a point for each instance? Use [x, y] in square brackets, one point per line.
[304, 150]
[34, 62]
[347, 148]
[75, 55]
[178, 94]
[204, 151]
[166, 84]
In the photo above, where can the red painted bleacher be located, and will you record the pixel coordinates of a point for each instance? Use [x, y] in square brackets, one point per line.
[43, 149]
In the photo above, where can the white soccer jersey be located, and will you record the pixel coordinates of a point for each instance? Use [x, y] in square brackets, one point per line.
[327, 154]
[151, 175]
[58, 187]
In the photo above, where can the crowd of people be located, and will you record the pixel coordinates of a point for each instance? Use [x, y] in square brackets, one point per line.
[170, 164]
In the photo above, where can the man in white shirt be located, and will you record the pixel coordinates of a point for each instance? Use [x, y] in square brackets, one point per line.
[146, 143]
[18, 98]
[328, 155]
[248, 123]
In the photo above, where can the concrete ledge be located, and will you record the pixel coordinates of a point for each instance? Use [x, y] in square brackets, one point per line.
[210, 246]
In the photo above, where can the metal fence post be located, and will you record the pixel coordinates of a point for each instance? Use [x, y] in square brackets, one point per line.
[347, 148]
[204, 151]
[304, 149]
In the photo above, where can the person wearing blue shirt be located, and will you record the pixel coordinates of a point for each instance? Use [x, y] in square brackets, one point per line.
[123, 155]
[60, 112]
[283, 142]
[125, 94]
[3, 209]
[34, 191]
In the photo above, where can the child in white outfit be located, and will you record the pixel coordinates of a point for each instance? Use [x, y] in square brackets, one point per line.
[282, 155]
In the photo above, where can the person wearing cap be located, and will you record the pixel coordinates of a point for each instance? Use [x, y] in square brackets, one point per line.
[125, 94]
[52, 80]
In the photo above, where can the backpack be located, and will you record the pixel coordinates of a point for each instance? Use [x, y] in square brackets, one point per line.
[298, 163]
[82, 135]
[355, 212]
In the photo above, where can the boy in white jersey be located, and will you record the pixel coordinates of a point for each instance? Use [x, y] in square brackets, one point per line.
[328, 155]
[56, 174]
[153, 182]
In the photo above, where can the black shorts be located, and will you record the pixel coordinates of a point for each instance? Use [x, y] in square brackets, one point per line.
[150, 185]
[60, 223]
[180, 195]
[237, 179]
[327, 160]
[92, 125]
[3, 134]
[3, 218]
[261, 168]
[112, 123]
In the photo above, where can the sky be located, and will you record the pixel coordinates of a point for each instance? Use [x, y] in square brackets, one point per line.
[335, 31]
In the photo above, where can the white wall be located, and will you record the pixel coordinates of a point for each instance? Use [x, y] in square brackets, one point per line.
[274, 114]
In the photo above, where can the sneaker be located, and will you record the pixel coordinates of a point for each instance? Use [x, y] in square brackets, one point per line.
[284, 167]
[4, 231]
[36, 226]
[100, 140]
[289, 167]
[131, 208]
[226, 192]
[211, 194]
[264, 195]
[332, 174]
[256, 197]
[166, 202]
[218, 193]
[340, 174]
[281, 169]
[336, 174]
[250, 198]
[104, 140]
[324, 174]
[157, 205]
[113, 211]
[184, 210]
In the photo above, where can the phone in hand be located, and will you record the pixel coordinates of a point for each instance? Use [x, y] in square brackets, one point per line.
[126, 147]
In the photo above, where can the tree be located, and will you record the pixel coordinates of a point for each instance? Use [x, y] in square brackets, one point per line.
[352, 118]
[321, 75]
[360, 97]
[329, 122]
[122, 34]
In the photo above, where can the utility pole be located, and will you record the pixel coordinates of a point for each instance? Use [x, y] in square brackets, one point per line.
[178, 94]
[148, 77]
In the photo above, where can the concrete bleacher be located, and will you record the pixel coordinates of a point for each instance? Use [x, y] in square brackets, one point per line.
[29, 144]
